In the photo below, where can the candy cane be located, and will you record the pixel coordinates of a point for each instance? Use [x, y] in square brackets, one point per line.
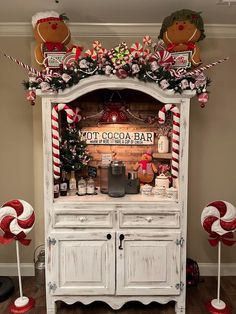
[55, 135]
[175, 136]
[25, 66]
[207, 66]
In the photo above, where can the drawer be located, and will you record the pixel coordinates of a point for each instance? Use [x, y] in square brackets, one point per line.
[149, 219]
[83, 219]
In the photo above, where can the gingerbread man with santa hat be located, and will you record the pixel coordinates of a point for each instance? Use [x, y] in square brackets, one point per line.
[51, 34]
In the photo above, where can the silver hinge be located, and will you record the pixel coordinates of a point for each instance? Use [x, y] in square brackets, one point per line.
[179, 286]
[52, 241]
[52, 286]
[180, 241]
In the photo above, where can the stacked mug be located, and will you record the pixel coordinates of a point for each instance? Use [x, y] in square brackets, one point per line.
[162, 190]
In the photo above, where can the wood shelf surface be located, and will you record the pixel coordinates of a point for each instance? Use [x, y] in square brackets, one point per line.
[162, 156]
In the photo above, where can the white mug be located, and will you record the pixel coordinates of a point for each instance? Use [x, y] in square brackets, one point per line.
[159, 191]
[172, 193]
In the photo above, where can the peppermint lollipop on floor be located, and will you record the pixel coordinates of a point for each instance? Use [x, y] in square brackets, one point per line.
[219, 220]
[16, 221]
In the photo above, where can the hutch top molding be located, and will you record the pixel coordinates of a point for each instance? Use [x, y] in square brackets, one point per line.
[99, 82]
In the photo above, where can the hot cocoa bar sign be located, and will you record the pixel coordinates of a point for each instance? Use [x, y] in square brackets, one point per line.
[118, 138]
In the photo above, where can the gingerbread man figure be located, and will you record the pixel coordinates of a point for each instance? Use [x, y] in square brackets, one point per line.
[51, 34]
[181, 31]
[146, 168]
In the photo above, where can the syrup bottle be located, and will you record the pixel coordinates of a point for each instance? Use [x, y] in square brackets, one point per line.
[63, 184]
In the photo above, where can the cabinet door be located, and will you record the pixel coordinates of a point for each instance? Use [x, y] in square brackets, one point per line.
[148, 263]
[83, 263]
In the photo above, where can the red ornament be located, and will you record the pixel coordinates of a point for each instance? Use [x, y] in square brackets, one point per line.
[121, 73]
[31, 96]
[203, 99]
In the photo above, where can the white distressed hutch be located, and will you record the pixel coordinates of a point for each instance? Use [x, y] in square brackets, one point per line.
[115, 249]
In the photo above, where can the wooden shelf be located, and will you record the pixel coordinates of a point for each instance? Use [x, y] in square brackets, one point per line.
[162, 156]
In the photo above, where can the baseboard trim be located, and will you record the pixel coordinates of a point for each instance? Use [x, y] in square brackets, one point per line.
[211, 269]
[10, 269]
[206, 269]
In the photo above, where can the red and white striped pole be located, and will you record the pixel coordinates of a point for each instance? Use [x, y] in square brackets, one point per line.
[205, 67]
[175, 137]
[55, 135]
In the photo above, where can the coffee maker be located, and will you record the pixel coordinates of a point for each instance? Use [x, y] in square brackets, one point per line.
[132, 184]
[116, 179]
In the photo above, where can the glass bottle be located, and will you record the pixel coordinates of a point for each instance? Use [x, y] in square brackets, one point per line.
[63, 184]
[56, 188]
[72, 183]
[90, 186]
[81, 187]
[103, 176]
[163, 144]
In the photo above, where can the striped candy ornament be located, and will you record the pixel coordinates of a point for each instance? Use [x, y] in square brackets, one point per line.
[55, 135]
[219, 217]
[175, 136]
[16, 218]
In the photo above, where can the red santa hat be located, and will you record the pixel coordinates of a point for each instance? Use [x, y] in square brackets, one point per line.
[41, 17]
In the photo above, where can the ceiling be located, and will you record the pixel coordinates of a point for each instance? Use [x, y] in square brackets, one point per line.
[116, 11]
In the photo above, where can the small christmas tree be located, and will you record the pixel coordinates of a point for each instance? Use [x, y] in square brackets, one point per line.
[73, 153]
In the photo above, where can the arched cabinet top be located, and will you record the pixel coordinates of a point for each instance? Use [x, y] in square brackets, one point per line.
[97, 82]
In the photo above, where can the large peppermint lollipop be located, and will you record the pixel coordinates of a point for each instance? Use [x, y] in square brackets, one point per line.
[16, 221]
[219, 220]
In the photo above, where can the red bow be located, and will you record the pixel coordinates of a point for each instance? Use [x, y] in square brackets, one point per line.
[190, 46]
[54, 46]
[8, 237]
[226, 238]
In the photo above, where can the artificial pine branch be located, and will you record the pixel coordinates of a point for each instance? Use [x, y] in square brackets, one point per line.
[73, 153]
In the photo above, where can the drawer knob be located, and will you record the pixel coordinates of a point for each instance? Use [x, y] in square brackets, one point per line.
[149, 219]
[108, 236]
[82, 218]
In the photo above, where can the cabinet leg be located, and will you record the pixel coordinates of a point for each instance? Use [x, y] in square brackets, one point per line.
[179, 307]
[51, 306]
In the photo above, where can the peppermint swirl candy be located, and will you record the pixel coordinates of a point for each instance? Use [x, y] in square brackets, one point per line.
[163, 57]
[91, 53]
[136, 50]
[219, 217]
[97, 45]
[16, 216]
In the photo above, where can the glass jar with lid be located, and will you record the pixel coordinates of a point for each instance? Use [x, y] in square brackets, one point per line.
[90, 186]
[81, 186]
[103, 176]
